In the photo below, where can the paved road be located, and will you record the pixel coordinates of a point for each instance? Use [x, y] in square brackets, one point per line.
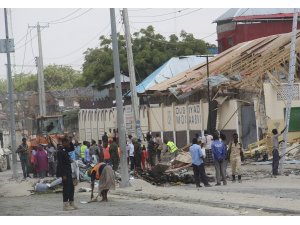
[51, 205]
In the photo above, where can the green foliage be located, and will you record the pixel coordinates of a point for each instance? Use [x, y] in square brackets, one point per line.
[150, 50]
[22, 82]
[59, 77]
[56, 78]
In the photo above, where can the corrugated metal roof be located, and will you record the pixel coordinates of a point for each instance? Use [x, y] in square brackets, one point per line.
[168, 70]
[235, 12]
[112, 80]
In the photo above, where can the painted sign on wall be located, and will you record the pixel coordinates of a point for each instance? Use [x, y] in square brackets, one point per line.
[194, 114]
[191, 115]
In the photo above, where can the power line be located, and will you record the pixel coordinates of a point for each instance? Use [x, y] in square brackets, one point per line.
[24, 52]
[52, 22]
[34, 37]
[94, 37]
[21, 39]
[70, 14]
[158, 21]
[64, 21]
[137, 10]
[170, 43]
[163, 14]
[108, 34]
[31, 44]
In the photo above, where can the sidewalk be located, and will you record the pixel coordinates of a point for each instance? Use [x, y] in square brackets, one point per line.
[280, 195]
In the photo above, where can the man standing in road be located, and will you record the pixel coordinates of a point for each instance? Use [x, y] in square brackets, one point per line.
[110, 136]
[83, 147]
[198, 164]
[275, 151]
[234, 155]
[159, 148]
[64, 171]
[219, 154]
[105, 138]
[207, 139]
[23, 155]
[151, 150]
[114, 155]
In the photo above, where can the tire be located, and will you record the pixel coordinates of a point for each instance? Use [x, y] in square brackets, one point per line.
[3, 164]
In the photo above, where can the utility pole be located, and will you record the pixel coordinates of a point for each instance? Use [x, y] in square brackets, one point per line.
[120, 118]
[290, 88]
[209, 128]
[11, 97]
[209, 120]
[40, 64]
[134, 98]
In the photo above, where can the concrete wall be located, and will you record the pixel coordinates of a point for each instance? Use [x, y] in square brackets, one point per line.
[228, 115]
[275, 109]
[179, 123]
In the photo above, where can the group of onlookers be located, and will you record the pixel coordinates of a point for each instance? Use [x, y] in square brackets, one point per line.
[40, 161]
[221, 154]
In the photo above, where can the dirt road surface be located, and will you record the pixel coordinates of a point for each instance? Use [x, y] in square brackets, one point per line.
[258, 194]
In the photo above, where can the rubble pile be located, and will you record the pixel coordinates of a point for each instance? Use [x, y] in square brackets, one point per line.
[172, 178]
[177, 171]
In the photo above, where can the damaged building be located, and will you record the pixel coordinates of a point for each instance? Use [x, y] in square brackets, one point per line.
[247, 89]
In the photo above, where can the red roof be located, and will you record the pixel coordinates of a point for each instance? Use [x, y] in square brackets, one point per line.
[267, 16]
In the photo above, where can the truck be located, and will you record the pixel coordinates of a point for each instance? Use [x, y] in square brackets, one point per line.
[49, 130]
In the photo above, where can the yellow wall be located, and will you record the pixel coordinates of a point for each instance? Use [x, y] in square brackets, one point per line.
[227, 110]
[275, 110]
[156, 123]
[144, 119]
[204, 108]
[191, 116]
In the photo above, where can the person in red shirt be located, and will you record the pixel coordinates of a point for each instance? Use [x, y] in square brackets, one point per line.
[106, 153]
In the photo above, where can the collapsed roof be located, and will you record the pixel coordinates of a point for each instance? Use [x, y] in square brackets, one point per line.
[244, 65]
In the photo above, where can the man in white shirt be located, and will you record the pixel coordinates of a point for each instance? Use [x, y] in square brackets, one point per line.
[131, 155]
[207, 140]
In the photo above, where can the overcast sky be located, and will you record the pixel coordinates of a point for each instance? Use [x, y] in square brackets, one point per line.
[72, 31]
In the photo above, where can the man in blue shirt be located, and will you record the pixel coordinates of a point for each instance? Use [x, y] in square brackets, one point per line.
[219, 154]
[198, 164]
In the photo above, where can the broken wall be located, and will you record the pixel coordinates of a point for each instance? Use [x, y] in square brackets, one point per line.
[275, 99]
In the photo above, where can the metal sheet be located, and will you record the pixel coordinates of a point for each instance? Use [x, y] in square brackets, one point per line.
[7, 45]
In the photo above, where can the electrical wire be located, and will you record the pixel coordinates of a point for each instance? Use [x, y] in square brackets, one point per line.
[70, 14]
[178, 11]
[64, 21]
[24, 52]
[50, 22]
[21, 39]
[170, 43]
[158, 21]
[137, 10]
[34, 37]
[31, 45]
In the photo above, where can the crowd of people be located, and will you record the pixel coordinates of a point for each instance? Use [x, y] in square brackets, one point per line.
[223, 154]
[104, 157]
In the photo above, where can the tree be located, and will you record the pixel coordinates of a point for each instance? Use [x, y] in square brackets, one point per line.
[150, 51]
[58, 77]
